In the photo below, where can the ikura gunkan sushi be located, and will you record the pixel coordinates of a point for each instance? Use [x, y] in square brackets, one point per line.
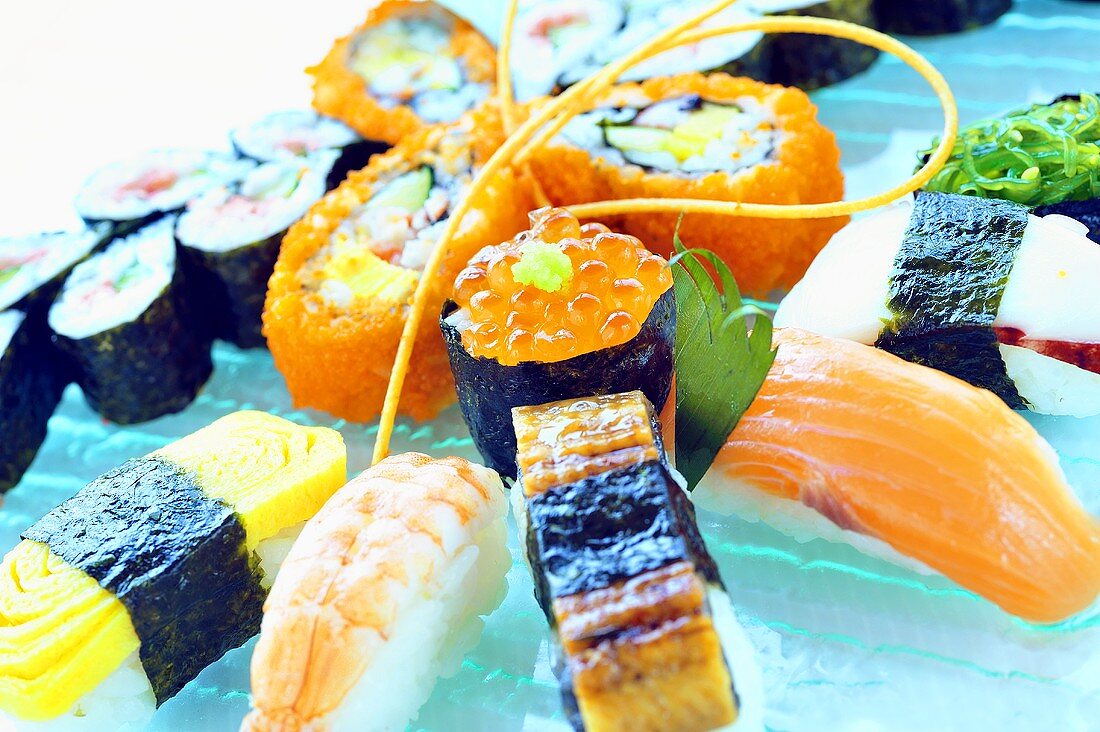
[133, 192]
[412, 552]
[124, 320]
[978, 288]
[337, 300]
[409, 64]
[645, 637]
[849, 443]
[712, 137]
[300, 133]
[932, 17]
[33, 267]
[118, 597]
[559, 311]
[231, 238]
[31, 382]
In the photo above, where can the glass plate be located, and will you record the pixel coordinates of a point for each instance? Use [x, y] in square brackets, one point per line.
[846, 642]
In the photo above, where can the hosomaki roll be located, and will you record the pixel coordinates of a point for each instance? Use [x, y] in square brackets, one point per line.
[32, 267]
[412, 552]
[118, 597]
[31, 381]
[230, 239]
[409, 64]
[932, 17]
[337, 301]
[560, 311]
[711, 137]
[645, 636]
[125, 319]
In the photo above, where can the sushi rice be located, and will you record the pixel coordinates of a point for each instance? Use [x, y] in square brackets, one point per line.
[30, 263]
[291, 134]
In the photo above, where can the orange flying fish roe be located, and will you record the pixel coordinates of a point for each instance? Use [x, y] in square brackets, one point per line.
[614, 284]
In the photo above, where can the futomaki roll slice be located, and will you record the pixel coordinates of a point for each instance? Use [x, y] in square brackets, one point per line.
[124, 319]
[130, 193]
[299, 133]
[231, 238]
[31, 382]
[410, 63]
[33, 267]
[932, 17]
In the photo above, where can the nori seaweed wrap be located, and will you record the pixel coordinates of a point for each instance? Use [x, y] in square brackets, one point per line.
[32, 379]
[124, 319]
[933, 17]
[230, 241]
[809, 61]
[33, 267]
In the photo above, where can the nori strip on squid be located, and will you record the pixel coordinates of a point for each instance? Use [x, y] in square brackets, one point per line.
[811, 62]
[932, 17]
[487, 390]
[948, 279]
[173, 556]
[32, 379]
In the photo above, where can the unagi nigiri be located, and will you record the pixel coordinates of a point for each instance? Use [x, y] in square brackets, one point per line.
[379, 596]
[857, 445]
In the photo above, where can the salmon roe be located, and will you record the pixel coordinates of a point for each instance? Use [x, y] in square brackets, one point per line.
[610, 285]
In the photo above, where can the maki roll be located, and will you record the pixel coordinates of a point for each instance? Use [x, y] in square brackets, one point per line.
[809, 61]
[338, 299]
[121, 595]
[933, 17]
[412, 553]
[409, 64]
[560, 311]
[645, 637]
[975, 287]
[131, 193]
[33, 267]
[231, 239]
[300, 133]
[712, 137]
[124, 320]
[31, 382]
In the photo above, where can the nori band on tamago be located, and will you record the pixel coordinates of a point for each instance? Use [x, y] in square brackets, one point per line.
[811, 62]
[487, 390]
[946, 287]
[173, 556]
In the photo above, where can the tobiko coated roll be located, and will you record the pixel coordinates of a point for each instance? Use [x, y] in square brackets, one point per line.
[409, 64]
[711, 137]
[645, 637]
[118, 597]
[300, 133]
[133, 192]
[32, 267]
[31, 381]
[124, 319]
[337, 301]
[560, 311]
[933, 17]
[231, 238]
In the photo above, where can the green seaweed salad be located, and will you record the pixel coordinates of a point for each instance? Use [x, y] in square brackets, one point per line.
[1042, 155]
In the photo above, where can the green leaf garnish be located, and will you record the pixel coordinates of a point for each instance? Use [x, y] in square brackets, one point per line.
[720, 365]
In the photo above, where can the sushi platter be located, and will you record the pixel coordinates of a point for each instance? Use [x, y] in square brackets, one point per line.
[571, 365]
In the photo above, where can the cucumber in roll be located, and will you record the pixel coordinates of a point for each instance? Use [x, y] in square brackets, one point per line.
[933, 17]
[33, 267]
[31, 381]
[559, 311]
[131, 193]
[121, 595]
[231, 239]
[124, 319]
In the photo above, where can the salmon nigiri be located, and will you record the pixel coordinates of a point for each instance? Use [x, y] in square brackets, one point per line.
[864, 447]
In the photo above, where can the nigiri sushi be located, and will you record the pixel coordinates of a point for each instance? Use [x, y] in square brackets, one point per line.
[645, 636]
[975, 287]
[379, 596]
[849, 443]
[562, 310]
[121, 595]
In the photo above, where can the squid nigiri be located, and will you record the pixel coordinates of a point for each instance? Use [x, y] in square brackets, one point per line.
[850, 443]
[380, 595]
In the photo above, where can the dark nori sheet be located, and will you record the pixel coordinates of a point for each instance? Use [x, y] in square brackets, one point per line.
[174, 557]
[148, 367]
[1087, 212]
[931, 17]
[32, 377]
[487, 390]
[592, 533]
[948, 279]
[811, 62]
[353, 157]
